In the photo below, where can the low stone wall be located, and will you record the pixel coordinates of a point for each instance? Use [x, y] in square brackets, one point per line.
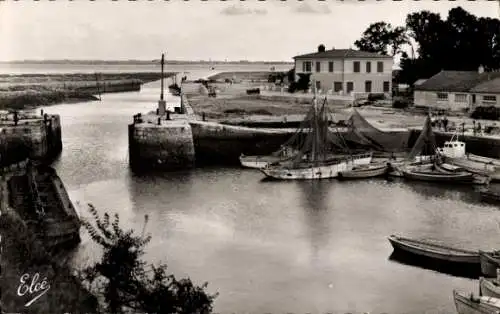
[168, 146]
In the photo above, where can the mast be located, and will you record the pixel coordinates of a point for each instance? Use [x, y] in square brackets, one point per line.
[162, 66]
[315, 121]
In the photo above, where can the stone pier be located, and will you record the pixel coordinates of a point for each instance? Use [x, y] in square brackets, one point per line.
[34, 136]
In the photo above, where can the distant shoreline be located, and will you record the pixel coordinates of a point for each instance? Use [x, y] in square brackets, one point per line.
[121, 62]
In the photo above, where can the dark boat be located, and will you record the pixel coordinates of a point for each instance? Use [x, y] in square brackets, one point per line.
[490, 196]
[434, 251]
[438, 176]
[490, 261]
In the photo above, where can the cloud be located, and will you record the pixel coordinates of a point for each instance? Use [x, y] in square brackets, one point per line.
[309, 9]
[240, 10]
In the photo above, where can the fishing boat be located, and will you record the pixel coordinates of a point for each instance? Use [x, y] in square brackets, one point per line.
[454, 152]
[489, 287]
[434, 251]
[490, 196]
[261, 161]
[490, 261]
[364, 172]
[470, 304]
[317, 157]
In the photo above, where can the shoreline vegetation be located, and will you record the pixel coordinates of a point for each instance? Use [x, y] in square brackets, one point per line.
[25, 91]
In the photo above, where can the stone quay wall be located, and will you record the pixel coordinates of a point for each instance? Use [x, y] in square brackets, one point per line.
[39, 138]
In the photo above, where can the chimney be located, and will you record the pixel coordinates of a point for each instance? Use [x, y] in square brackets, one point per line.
[480, 69]
[321, 48]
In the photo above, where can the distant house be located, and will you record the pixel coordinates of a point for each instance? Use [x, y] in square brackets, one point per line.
[458, 90]
[347, 71]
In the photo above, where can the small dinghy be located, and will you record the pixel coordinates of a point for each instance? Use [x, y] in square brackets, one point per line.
[364, 172]
[434, 251]
[489, 287]
[490, 261]
[470, 304]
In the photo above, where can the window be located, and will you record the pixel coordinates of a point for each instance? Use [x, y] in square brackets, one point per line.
[368, 67]
[318, 66]
[330, 66]
[380, 66]
[368, 86]
[460, 97]
[489, 98]
[306, 66]
[318, 85]
[356, 66]
[442, 96]
[337, 86]
[387, 86]
[350, 87]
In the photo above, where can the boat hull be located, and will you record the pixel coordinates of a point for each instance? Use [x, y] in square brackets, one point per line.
[489, 264]
[478, 165]
[483, 305]
[489, 287]
[490, 197]
[364, 173]
[316, 172]
[258, 162]
[434, 251]
[437, 176]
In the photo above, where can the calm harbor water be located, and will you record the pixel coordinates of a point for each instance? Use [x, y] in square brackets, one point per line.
[270, 247]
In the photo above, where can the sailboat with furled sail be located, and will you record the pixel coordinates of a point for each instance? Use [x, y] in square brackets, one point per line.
[316, 157]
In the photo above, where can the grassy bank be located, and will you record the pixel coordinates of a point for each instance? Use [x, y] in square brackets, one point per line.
[22, 91]
[243, 76]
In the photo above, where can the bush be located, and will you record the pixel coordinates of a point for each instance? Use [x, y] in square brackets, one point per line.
[124, 283]
[376, 96]
[486, 113]
[400, 103]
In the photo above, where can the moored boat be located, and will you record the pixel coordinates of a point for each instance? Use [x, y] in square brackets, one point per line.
[490, 196]
[470, 304]
[489, 287]
[490, 261]
[321, 152]
[308, 170]
[434, 251]
[258, 161]
[437, 176]
[364, 172]
[454, 152]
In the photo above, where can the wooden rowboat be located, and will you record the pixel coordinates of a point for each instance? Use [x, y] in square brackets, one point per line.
[434, 251]
[489, 287]
[438, 176]
[364, 172]
[469, 304]
[490, 261]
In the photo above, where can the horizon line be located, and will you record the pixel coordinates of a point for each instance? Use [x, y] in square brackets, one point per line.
[139, 61]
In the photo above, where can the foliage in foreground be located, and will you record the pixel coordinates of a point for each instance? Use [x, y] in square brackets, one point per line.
[125, 283]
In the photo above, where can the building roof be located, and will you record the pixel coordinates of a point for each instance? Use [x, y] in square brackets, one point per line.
[459, 81]
[342, 53]
[489, 86]
[419, 81]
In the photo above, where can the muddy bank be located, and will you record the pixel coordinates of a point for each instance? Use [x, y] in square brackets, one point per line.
[23, 91]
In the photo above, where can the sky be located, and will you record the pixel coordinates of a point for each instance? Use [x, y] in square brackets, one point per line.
[269, 30]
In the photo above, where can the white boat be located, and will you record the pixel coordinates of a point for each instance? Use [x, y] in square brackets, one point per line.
[316, 158]
[490, 262]
[307, 171]
[489, 287]
[259, 161]
[470, 304]
[454, 152]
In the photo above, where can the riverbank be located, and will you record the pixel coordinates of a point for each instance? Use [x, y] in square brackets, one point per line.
[24, 91]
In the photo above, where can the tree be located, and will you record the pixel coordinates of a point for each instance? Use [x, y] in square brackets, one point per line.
[382, 38]
[124, 283]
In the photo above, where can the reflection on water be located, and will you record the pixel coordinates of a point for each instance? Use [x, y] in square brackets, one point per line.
[270, 246]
